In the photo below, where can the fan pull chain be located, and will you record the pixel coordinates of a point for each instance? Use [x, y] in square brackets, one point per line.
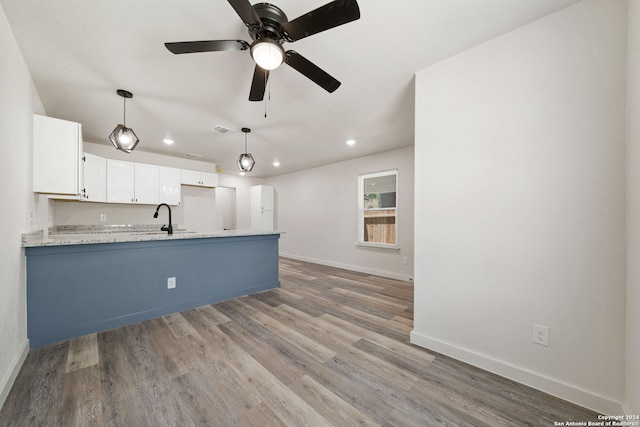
[267, 84]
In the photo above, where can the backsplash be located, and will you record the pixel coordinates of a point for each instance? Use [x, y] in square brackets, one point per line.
[197, 212]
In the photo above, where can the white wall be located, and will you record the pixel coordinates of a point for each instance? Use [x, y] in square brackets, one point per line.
[633, 210]
[521, 196]
[318, 211]
[19, 100]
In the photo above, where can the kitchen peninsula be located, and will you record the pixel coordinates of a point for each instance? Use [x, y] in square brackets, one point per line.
[83, 283]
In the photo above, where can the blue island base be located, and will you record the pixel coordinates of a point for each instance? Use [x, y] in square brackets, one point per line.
[75, 290]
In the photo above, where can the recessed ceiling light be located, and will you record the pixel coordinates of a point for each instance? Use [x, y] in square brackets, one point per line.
[351, 142]
[276, 163]
[168, 141]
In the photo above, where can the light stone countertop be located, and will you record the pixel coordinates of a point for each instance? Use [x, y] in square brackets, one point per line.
[94, 235]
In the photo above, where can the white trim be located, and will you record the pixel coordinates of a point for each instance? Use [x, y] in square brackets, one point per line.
[381, 273]
[10, 377]
[540, 382]
[378, 245]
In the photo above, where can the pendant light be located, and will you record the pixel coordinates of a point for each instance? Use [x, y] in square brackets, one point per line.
[122, 137]
[245, 161]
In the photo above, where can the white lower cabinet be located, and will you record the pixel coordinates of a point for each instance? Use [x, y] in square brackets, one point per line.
[129, 182]
[169, 188]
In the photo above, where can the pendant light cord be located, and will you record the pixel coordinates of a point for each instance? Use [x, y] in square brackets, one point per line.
[124, 108]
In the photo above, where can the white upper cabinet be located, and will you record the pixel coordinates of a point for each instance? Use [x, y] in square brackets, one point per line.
[95, 178]
[146, 183]
[57, 156]
[120, 181]
[200, 179]
[209, 179]
[169, 188]
[129, 182]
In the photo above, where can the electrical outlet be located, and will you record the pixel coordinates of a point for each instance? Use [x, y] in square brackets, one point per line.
[103, 217]
[171, 283]
[405, 260]
[540, 335]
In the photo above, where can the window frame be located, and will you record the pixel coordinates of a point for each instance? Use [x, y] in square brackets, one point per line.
[362, 210]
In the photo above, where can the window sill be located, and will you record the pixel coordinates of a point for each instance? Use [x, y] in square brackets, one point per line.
[378, 245]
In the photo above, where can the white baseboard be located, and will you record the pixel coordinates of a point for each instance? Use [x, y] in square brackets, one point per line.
[12, 373]
[372, 271]
[548, 385]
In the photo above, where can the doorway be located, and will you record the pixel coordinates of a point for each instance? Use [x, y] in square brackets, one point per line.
[226, 208]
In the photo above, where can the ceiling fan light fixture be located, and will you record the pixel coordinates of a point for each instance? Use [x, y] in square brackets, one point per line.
[267, 53]
[122, 137]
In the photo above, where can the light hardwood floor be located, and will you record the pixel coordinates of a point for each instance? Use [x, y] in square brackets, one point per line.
[330, 347]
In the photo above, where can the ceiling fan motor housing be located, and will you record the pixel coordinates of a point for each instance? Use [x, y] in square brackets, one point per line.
[272, 18]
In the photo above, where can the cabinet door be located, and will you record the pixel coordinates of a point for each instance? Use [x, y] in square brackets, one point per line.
[57, 156]
[267, 197]
[146, 184]
[199, 179]
[120, 181]
[190, 177]
[267, 221]
[95, 178]
[208, 179]
[169, 189]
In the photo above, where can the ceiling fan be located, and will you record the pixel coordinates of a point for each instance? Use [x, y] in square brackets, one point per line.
[269, 28]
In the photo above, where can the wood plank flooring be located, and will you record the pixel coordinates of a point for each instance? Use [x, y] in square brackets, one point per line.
[329, 348]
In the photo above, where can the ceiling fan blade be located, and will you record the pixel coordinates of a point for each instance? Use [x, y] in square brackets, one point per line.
[330, 15]
[246, 12]
[312, 71]
[258, 84]
[206, 46]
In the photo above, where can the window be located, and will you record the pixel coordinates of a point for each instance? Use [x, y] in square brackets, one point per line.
[377, 209]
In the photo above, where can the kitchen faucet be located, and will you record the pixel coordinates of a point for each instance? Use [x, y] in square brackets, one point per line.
[167, 228]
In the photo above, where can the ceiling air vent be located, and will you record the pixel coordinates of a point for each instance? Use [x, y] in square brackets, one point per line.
[192, 155]
[222, 129]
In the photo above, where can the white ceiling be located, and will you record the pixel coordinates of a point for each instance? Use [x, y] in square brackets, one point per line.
[79, 52]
